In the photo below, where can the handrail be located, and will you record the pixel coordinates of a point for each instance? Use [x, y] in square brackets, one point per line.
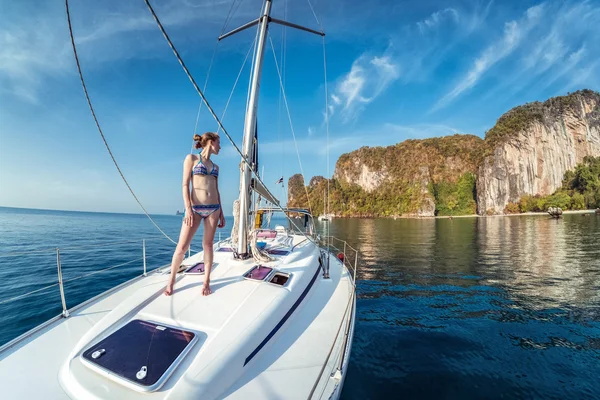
[65, 312]
[87, 246]
[101, 270]
[27, 294]
[328, 242]
[346, 318]
[332, 346]
[60, 282]
[354, 267]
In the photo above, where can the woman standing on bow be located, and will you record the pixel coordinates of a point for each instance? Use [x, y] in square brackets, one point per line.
[202, 203]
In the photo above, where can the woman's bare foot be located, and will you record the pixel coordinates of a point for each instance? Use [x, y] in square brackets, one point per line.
[169, 289]
[206, 289]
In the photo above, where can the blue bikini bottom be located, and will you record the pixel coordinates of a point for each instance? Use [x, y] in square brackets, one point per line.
[204, 210]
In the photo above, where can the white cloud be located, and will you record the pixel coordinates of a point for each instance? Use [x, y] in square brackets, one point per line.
[419, 131]
[567, 67]
[135, 17]
[28, 55]
[369, 77]
[514, 32]
[383, 135]
[581, 77]
[35, 44]
[558, 53]
[420, 48]
[554, 53]
[437, 18]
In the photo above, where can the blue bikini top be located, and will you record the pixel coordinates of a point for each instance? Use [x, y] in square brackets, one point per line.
[200, 169]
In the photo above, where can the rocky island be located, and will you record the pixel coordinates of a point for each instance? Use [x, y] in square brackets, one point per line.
[537, 155]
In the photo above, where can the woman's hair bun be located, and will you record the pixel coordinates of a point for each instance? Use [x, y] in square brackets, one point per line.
[201, 141]
[198, 141]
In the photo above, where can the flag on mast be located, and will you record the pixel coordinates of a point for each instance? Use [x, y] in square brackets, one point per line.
[280, 180]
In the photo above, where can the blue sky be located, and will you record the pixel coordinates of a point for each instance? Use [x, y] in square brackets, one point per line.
[396, 70]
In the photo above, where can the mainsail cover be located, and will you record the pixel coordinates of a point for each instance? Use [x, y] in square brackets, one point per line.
[262, 190]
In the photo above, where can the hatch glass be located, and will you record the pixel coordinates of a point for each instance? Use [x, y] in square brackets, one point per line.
[258, 272]
[197, 268]
[141, 352]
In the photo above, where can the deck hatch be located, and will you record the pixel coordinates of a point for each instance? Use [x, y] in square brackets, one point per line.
[197, 268]
[141, 352]
[279, 278]
[258, 272]
[277, 252]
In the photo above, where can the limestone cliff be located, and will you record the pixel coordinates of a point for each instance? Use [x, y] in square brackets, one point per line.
[403, 179]
[527, 152]
[532, 146]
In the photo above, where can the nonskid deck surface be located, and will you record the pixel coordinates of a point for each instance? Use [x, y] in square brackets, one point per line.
[255, 338]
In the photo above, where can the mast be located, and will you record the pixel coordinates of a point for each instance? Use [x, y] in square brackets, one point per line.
[249, 127]
[249, 140]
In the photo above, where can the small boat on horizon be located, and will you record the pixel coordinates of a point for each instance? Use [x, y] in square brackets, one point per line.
[555, 212]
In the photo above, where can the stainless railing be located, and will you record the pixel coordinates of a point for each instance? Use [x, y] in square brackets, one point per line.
[61, 282]
[332, 243]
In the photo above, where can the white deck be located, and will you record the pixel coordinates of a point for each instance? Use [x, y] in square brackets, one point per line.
[231, 323]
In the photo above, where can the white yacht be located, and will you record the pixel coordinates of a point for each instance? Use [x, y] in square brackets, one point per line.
[279, 324]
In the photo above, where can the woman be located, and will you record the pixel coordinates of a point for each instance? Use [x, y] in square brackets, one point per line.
[203, 202]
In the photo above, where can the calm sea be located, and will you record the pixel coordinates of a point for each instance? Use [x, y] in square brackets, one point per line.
[501, 307]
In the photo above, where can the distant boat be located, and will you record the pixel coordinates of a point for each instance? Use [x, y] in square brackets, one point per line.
[555, 212]
[178, 213]
[325, 217]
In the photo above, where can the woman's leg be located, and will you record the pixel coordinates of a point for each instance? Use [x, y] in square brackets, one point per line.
[210, 227]
[185, 238]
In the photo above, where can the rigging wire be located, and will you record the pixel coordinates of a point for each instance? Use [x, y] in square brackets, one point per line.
[234, 11]
[236, 81]
[87, 96]
[230, 15]
[326, 130]
[192, 80]
[228, 18]
[204, 88]
[326, 110]
[283, 63]
[290, 119]
[100, 129]
[315, 15]
[212, 112]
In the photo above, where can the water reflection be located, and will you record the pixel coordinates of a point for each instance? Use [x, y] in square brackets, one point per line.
[475, 307]
[542, 261]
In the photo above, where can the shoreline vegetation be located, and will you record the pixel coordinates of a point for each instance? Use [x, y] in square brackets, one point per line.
[525, 214]
[579, 192]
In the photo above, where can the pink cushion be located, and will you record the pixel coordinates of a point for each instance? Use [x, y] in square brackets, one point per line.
[267, 234]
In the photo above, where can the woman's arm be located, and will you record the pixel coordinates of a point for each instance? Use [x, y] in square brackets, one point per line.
[185, 188]
[221, 223]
